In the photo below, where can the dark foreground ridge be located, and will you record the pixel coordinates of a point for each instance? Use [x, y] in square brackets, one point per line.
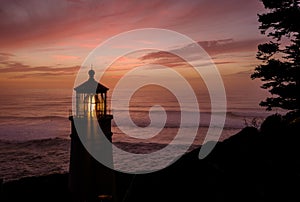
[253, 165]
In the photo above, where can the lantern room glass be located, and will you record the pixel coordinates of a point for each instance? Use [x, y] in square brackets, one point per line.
[90, 105]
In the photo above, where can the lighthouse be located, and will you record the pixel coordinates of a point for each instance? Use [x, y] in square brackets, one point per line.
[91, 137]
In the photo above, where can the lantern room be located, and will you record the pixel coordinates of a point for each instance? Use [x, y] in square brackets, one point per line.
[91, 98]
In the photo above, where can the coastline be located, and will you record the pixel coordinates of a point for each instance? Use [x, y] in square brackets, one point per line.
[252, 165]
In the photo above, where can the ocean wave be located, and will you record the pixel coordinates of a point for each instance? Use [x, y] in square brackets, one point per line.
[40, 142]
[34, 117]
[145, 113]
[20, 159]
[232, 113]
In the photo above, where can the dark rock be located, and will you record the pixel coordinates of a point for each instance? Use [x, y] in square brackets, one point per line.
[42, 188]
[251, 166]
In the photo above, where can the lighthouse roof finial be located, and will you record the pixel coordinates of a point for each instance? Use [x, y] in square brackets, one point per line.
[91, 72]
[91, 85]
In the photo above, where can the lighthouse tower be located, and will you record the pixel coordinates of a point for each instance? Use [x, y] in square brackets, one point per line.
[89, 179]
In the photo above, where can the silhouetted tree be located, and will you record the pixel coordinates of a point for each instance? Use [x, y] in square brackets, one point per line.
[280, 68]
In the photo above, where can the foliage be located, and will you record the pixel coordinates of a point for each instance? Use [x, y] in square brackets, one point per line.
[280, 68]
[253, 123]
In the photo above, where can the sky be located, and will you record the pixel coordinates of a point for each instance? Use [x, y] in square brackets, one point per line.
[44, 43]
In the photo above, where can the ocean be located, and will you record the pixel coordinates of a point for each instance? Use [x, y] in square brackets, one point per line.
[35, 130]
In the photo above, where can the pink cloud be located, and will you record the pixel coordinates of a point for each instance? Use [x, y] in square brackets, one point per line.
[213, 48]
[28, 23]
[65, 57]
[25, 71]
[5, 56]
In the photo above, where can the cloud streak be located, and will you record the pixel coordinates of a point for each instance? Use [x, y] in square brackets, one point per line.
[6, 56]
[24, 23]
[26, 71]
[41, 34]
[213, 48]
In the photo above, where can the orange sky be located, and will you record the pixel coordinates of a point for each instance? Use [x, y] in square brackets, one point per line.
[43, 43]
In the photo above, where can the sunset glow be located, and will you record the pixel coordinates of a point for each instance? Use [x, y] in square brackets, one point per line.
[136, 100]
[43, 44]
